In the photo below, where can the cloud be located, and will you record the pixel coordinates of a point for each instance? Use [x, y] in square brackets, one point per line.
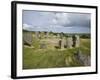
[27, 27]
[62, 18]
[72, 19]
[55, 18]
[79, 19]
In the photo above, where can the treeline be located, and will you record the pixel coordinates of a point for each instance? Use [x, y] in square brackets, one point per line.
[82, 35]
[85, 36]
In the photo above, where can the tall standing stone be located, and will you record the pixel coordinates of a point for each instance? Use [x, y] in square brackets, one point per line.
[77, 40]
[45, 34]
[27, 38]
[69, 42]
[63, 43]
[43, 45]
[59, 43]
[74, 40]
[37, 34]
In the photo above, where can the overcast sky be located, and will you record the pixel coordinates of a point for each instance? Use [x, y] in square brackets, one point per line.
[56, 21]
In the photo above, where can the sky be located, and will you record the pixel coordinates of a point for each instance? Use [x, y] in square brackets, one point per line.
[56, 21]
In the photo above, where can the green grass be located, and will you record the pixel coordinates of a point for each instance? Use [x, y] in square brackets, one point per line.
[85, 46]
[47, 58]
[34, 58]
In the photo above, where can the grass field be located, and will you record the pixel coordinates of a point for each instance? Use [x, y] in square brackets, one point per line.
[34, 58]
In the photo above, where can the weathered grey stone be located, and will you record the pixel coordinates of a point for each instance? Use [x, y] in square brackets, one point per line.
[37, 34]
[42, 46]
[69, 42]
[27, 38]
[58, 44]
[83, 59]
[77, 40]
[87, 61]
[63, 43]
[74, 40]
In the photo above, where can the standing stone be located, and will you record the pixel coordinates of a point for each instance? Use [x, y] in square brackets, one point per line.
[42, 46]
[63, 43]
[37, 34]
[27, 38]
[59, 43]
[82, 58]
[45, 34]
[77, 40]
[61, 35]
[74, 40]
[69, 42]
[87, 61]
